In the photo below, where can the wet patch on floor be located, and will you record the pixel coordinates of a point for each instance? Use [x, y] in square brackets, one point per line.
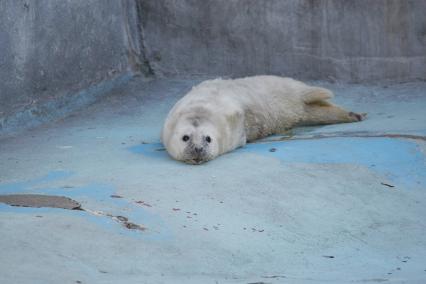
[154, 150]
[22, 186]
[399, 161]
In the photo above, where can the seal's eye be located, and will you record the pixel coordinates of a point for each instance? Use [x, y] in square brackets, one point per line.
[185, 138]
[208, 139]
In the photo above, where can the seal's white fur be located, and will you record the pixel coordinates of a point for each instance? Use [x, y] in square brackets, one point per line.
[232, 112]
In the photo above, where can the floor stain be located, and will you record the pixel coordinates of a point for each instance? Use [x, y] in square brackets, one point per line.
[39, 200]
[53, 201]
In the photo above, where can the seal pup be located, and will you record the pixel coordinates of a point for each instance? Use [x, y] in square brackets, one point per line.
[218, 116]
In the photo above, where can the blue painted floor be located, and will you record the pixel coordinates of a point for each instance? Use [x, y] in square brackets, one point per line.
[349, 208]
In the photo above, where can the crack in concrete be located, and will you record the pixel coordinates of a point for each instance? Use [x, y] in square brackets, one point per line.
[341, 135]
[124, 221]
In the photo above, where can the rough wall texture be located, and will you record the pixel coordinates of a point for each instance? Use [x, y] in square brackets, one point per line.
[51, 50]
[355, 41]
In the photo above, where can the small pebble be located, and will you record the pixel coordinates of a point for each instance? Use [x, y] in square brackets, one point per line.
[133, 226]
[273, 150]
[143, 203]
[122, 218]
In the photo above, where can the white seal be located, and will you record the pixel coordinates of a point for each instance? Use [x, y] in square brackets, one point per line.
[218, 116]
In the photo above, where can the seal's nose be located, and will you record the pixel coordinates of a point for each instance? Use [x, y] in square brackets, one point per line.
[198, 150]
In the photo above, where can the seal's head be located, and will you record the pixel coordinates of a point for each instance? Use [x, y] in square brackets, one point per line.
[193, 141]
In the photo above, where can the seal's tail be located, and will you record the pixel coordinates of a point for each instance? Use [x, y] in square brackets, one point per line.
[319, 110]
[317, 95]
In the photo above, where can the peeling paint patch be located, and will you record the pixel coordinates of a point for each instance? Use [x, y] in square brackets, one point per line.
[91, 196]
[38, 201]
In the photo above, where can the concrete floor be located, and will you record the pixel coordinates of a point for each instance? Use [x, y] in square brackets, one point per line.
[345, 209]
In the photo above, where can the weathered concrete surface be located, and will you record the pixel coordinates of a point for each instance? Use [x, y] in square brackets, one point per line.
[352, 41]
[57, 56]
[313, 211]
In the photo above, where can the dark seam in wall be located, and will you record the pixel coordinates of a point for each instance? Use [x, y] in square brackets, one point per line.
[141, 38]
[136, 50]
[132, 50]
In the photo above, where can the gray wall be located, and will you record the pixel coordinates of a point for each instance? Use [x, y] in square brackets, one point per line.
[347, 40]
[53, 51]
[57, 56]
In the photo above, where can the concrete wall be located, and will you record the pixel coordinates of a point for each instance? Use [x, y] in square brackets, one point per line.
[60, 55]
[56, 56]
[347, 40]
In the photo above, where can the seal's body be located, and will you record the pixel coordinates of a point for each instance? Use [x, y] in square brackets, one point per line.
[218, 115]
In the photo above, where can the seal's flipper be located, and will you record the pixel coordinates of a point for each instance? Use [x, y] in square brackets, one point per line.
[317, 114]
[320, 111]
